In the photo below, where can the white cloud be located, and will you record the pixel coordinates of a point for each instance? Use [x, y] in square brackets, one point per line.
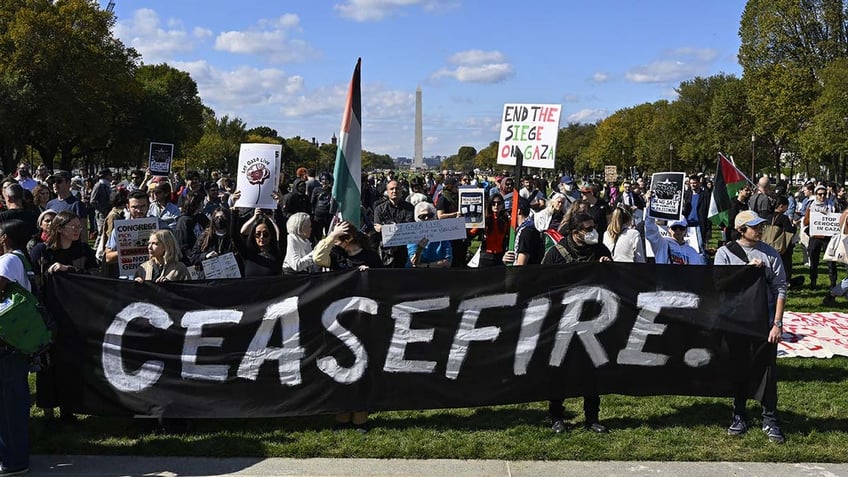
[571, 98]
[678, 65]
[600, 77]
[271, 39]
[374, 10]
[587, 116]
[243, 88]
[477, 66]
[144, 32]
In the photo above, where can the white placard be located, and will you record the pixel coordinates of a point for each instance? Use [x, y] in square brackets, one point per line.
[823, 224]
[473, 207]
[532, 129]
[222, 266]
[258, 175]
[434, 230]
[132, 236]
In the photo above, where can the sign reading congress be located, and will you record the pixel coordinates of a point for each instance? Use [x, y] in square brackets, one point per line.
[531, 129]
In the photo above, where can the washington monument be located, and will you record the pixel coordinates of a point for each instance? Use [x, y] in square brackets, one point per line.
[418, 160]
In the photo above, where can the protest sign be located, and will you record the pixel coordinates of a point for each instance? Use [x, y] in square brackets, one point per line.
[472, 207]
[823, 224]
[531, 129]
[667, 195]
[160, 159]
[610, 173]
[434, 230]
[814, 335]
[132, 238]
[222, 266]
[258, 175]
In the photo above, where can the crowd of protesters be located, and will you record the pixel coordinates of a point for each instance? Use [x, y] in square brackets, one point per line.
[559, 221]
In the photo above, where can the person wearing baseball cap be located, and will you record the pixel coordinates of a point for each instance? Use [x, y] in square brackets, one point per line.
[566, 188]
[750, 250]
[821, 203]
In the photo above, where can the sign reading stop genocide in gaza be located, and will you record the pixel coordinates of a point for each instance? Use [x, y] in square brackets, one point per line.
[258, 175]
[531, 129]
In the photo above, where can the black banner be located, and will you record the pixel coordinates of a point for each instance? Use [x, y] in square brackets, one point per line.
[406, 339]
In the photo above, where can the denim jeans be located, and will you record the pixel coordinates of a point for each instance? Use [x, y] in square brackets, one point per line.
[14, 411]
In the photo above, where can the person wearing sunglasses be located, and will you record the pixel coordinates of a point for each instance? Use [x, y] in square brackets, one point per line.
[822, 204]
[495, 236]
[259, 249]
[674, 249]
[426, 254]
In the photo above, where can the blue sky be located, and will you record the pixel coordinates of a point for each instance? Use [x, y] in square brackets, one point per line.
[287, 64]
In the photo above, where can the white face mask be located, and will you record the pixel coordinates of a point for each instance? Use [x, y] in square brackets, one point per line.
[568, 187]
[591, 238]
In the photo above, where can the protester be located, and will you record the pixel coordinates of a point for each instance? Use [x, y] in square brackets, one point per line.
[737, 204]
[750, 250]
[215, 240]
[551, 216]
[65, 200]
[138, 205]
[696, 206]
[162, 207]
[43, 222]
[260, 251]
[597, 208]
[191, 223]
[817, 243]
[41, 196]
[164, 263]
[13, 194]
[299, 257]
[579, 244]
[62, 252]
[447, 207]
[528, 248]
[622, 240]
[14, 387]
[426, 254]
[393, 211]
[495, 235]
[761, 202]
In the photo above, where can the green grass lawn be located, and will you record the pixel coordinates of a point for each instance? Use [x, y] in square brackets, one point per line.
[813, 399]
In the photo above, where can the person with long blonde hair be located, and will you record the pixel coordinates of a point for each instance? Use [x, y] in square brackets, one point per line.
[164, 263]
[623, 241]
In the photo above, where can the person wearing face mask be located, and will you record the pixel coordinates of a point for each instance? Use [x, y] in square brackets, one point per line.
[191, 223]
[215, 240]
[567, 188]
[579, 244]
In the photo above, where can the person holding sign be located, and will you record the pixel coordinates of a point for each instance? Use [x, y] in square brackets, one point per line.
[495, 236]
[447, 207]
[821, 204]
[426, 254]
[164, 263]
[260, 250]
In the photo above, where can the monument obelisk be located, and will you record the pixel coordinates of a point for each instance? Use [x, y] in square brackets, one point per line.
[418, 160]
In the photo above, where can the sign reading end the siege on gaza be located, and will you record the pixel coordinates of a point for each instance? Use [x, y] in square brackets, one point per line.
[531, 129]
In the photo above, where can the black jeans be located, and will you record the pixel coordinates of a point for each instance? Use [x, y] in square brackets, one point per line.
[815, 249]
[591, 408]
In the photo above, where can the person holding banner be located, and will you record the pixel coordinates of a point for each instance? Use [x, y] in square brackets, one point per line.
[579, 244]
[750, 250]
[395, 210]
[164, 264]
[62, 252]
[426, 254]
[447, 207]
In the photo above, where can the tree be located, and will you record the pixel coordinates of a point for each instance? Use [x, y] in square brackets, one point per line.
[487, 158]
[785, 45]
[218, 147]
[571, 141]
[75, 76]
[826, 135]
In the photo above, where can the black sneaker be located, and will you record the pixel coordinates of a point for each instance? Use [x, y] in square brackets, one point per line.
[829, 300]
[558, 426]
[738, 426]
[9, 472]
[774, 434]
[596, 427]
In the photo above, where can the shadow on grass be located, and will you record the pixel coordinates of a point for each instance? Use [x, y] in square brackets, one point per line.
[830, 372]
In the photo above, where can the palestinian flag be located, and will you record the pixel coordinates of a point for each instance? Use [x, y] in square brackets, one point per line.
[347, 173]
[728, 181]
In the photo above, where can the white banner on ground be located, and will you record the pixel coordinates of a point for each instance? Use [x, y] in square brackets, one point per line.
[434, 230]
[814, 335]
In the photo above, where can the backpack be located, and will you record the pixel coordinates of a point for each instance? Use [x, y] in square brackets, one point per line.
[24, 321]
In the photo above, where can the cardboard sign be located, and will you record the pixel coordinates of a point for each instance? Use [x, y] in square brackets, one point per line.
[222, 266]
[824, 224]
[132, 236]
[258, 175]
[472, 207]
[610, 173]
[160, 159]
[434, 230]
[532, 129]
[667, 195]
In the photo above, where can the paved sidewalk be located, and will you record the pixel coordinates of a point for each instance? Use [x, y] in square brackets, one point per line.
[114, 466]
